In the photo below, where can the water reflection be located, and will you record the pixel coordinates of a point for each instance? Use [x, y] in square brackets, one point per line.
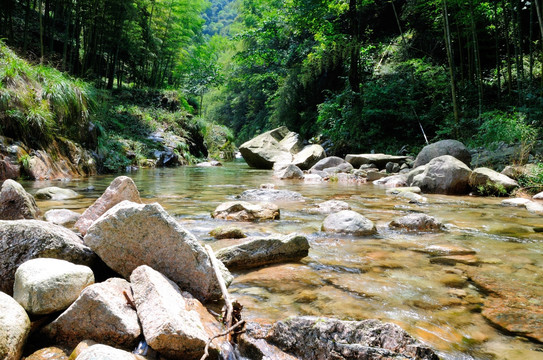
[383, 276]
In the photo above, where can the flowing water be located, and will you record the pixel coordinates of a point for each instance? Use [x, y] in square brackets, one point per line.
[381, 276]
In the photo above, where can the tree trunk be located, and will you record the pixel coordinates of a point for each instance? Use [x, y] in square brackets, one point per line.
[354, 76]
[448, 44]
[477, 60]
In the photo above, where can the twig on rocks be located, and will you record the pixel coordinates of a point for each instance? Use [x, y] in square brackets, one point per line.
[229, 307]
[224, 333]
[129, 300]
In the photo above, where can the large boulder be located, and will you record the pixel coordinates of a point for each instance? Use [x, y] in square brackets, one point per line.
[263, 251]
[244, 211]
[56, 193]
[270, 195]
[321, 338]
[16, 203]
[14, 328]
[327, 162]
[266, 149]
[129, 235]
[444, 175]
[62, 217]
[309, 156]
[100, 313]
[450, 147]
[43, 286]
[379, 160]
[121, 188]
[489, 178]
[22, 240]
[416, 222]
[174, 323]
[538, 196]
[349, 222]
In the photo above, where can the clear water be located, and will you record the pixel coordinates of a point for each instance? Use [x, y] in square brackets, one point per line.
[379, 276]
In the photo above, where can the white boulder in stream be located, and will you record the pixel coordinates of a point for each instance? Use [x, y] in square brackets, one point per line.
[61, 216]
[244, 211]
[14, 328]
[100, 313]
[271, 147]
[129, 235]
[263, 251]
[349, 222]
[417, 222]
[174, 323]
[287, 171]
[121, 188]
[309, 156]
[43, 286]
[22, 240]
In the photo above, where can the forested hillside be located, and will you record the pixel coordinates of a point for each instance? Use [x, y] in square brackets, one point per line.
[379, 75]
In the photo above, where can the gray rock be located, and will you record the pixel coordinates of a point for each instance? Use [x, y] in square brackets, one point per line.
[212, 163]
[330, 206]
[413, 198]
[22, 240]
[534, 207]
[309, 156]
[379, 160]
[398, 190]
[450, 147]
[270, 195]
[538, 196]
[327, 162]
[121, 241]
[16, 203]
[62, 217]
[350, 222]
[14, 328]
[313, 179]
[292, 142]
[322, 338]
[392, 181]
[516, 202]
[445, 175]
[263, 251]
[289, 171]
[393, 167]
[373, 175]
[411, 175]
[489, 177]
[174, 323]
[56, 193]
[43, 286]
[121, 188]
[514, 172]
[417, 222]
[244, 211]
[104, 352]
[266, 149]
[100, 313]
[227, 233]
[341, 168]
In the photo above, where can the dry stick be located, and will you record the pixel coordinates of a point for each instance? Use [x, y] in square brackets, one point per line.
[226, 332]
[129, 300]
[229, 307]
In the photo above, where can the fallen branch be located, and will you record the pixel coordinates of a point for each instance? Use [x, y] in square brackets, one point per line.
[224, 333]
[229, 307]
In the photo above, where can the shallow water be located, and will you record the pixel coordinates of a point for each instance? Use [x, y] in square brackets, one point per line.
[381, 276]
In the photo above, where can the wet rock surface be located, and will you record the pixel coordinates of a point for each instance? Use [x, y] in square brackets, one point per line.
[509, 305]
[263, 251]
[270, 195]
[245, 211]
[323, 338]
[417, 222]
[56, 193]
[348, 222]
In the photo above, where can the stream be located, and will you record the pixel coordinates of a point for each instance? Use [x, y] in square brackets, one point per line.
[383, 276]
